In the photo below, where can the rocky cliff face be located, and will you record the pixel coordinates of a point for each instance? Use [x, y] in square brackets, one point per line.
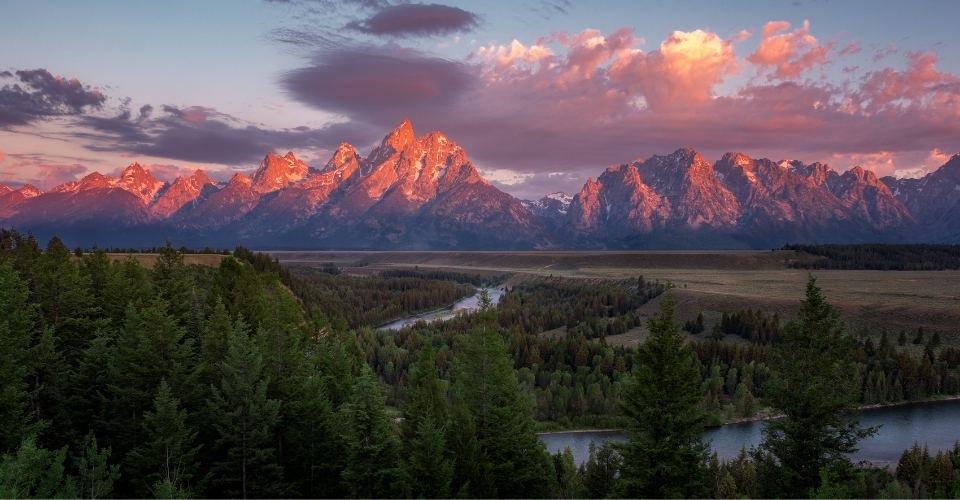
[423, 192]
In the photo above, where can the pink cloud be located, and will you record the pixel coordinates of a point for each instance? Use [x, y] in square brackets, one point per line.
[920, 84]
[850, 49]
[683, 71]
[789, 53]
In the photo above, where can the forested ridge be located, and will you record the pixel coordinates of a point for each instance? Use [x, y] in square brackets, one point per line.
[247, 380]
[916, 257]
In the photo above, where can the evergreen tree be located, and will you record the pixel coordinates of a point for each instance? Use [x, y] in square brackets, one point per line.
[245, 420]
[665, 453]
[167, 456]
[811, 388]
[16, 332]
[313, 441]
[214, 342]
[34, 472]
[600, 471]
[373, 451]
[428, 466]
[95, 475]
[152, 348]
[512, 460]
[568, 481]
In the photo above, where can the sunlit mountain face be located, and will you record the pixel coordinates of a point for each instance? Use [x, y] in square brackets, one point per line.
[554, 124]
[421, 192]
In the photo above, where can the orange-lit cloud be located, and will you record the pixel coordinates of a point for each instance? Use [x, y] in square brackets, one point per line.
[683, 71]
[919, 84]
[788, 53]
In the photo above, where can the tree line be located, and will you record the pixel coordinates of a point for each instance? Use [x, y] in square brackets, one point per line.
[179, 380]
[918, 257]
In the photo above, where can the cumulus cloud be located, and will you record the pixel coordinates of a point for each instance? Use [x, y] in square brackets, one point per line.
[569, 101]
[37, 94]
[684, 70]
[920, 84]
[788, 53]
[414, 19]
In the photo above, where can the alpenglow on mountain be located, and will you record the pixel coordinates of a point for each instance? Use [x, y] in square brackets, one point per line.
[423, 192]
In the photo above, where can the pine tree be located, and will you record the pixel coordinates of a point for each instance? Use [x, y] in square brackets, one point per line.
[245, 419]
[811, 389]
[95, 475]
[214, 342]
[600, 471]
[16, 332]
[425, 421]
[167, 456]
[512, 460]
[152, 348]
[665, 454]
[373, 451]
[313, 441]
[428, 468]
[34, 472]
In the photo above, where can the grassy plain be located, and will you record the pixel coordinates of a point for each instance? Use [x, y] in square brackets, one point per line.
[710, 282]
[147, 259]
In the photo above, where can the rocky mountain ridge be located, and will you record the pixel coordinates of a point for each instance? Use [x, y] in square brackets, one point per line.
[422, 192]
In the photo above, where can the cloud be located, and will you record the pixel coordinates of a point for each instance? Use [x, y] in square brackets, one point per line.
[378, 85]
[505, 176]
[788, 53]
[580, 101]
[201, 134]
[414, 19]
[684, 70]
[40, 94]
[45, 173]
[920, 84]
[505, 56]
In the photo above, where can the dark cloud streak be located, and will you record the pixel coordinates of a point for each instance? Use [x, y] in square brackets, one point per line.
[39, 94]
[204, 135]
[416, 19]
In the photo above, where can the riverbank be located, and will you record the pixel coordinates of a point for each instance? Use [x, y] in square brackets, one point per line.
[557, 428]
[465, 304]
[931, 423]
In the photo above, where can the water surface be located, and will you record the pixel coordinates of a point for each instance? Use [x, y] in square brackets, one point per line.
[936, 424]
[468, 304]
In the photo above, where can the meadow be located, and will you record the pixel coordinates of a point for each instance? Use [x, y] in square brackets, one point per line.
[707, 282]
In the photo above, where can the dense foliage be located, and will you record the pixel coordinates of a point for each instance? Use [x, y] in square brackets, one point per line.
[246, 380]
[177, 380]
[919, 257]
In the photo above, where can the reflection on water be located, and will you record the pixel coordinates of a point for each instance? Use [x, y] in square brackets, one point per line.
[471, 303]
[937, 424]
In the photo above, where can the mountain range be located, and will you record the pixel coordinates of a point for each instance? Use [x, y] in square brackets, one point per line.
[422, 192]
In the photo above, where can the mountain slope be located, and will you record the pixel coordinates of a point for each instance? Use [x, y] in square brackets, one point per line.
[423, 192]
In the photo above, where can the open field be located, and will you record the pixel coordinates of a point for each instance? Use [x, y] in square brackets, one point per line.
[147, 259]
[710, 282]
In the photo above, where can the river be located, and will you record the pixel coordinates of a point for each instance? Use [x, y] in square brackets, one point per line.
[468, 304]
[935, 423]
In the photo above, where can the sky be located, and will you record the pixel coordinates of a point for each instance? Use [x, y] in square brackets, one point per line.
[541, 94]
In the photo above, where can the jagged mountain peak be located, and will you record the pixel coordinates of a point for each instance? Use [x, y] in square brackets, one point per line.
[395, 141]
[199, 177]
[277, 172]
[344, 157]
[29, 191]
[138, 181]
[239, 179]
[738, 159]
